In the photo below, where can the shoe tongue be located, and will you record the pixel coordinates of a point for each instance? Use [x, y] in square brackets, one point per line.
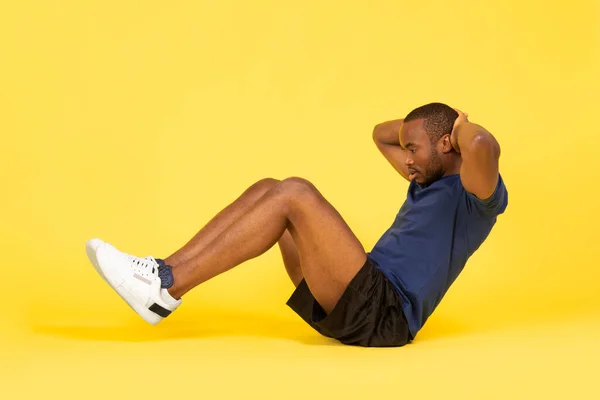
[160, 262]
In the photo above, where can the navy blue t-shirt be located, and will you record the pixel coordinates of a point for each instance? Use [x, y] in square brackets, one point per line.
[435, 232]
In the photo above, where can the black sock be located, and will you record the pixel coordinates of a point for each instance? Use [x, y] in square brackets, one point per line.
[165, 273]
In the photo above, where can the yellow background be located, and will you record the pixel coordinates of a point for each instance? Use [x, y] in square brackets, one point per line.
[137, 121]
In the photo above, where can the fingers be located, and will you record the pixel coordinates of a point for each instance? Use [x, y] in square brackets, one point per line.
[460, 112]
[462, 116]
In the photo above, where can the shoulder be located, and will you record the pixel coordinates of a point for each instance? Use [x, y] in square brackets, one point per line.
[492, 206]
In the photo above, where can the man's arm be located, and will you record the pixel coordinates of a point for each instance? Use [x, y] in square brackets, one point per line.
[480, 153]
[386, 136]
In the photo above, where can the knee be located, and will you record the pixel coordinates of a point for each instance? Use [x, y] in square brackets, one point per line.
[297, 194]
[264, 185]
[259, 188]
[295, 186]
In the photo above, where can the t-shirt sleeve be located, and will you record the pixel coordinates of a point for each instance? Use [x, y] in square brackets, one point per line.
[493, 205]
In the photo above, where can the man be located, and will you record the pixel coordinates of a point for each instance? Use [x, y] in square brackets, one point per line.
[380, 298]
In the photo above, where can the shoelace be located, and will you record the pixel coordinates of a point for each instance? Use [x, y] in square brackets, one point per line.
[147, 264]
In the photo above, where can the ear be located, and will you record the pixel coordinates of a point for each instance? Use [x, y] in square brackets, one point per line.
[446, 144]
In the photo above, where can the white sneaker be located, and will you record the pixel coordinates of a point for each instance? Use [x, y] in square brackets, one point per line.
[90, 248]
[134, 279]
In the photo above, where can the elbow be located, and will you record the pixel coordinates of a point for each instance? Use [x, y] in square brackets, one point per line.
[376, 129]
[485, 142]
[376, 132]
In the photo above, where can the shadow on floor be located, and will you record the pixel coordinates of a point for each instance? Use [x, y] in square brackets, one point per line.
[196, 325]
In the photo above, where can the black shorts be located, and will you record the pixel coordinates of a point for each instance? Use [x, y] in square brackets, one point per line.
[369, 313]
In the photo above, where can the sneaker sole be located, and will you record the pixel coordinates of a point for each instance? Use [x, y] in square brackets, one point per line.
[116, 282]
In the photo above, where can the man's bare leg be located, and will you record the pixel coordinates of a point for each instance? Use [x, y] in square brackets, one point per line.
[226, 217]
[330, 255]
[221, 221]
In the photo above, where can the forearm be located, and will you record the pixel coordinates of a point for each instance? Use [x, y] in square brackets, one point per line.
[388, 132]
[386, 136]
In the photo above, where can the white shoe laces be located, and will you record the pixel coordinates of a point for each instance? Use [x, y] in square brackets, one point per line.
[147, 265]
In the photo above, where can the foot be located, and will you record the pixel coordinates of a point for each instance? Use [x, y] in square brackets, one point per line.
[135, 279]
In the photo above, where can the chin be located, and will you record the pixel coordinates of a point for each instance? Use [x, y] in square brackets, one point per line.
[420, 181]
[426, 182]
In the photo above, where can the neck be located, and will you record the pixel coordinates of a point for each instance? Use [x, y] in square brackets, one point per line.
[453, 167]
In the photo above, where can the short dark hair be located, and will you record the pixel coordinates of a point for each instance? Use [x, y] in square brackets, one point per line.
[438, 119]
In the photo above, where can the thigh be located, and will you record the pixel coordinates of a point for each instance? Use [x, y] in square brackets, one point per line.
[329, 252]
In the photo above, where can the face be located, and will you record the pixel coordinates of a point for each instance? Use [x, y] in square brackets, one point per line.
[423, 159]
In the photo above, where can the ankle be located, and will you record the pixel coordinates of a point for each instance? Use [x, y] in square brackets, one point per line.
[168, 297]
[174, 292]
[165, 273]
[178, 288]
[173, 261]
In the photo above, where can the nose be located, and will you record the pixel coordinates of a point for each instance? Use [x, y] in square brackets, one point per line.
[409, 161]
